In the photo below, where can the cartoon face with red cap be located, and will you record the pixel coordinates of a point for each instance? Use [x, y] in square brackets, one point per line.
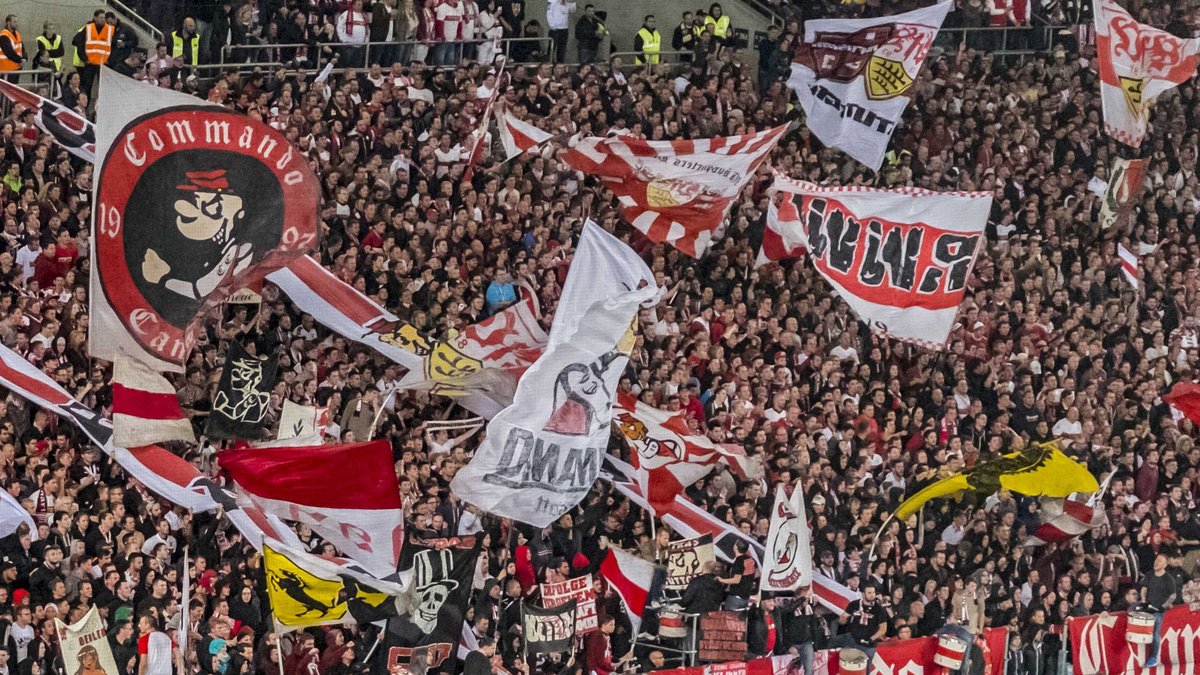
[207, 209]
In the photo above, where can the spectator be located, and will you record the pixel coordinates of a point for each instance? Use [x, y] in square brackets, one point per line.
[589, 32]
[684, 37]
[558, 23]
[353, 30]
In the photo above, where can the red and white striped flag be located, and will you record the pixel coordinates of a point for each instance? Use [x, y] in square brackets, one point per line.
[675, 192]
[348, 494]
[631, 577]
[1129, 265]
[1065, 519]
[145, 408]
[518, 136]
[783, 236]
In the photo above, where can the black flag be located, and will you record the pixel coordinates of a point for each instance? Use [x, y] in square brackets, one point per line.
[239, 409]
[425, 639]
[549, 630]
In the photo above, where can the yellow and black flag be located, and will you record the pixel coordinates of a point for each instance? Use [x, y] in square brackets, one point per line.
[307, 590]
[1037, 470]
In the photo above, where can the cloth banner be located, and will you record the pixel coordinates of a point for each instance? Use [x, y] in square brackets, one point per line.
[302, 422]
[1037, 470]
[192, 202]
[787, 564]
[852, 77]
[667, 456]
[783, 235]
[900, 258]
[550, 630]
[243, 395]
[85, 647]
[1099, 647]
[675, 192]
[1064, 519]
[542, 454]
[1129, 265]
[518, 136]
[769, 665]
[359, 511]
[68, 128]
[580, 591]
[438, 574]
[632, 579]
[1137, 64]
[490, 355]
[1123, 189]
[145, 407]
[340, 307]
[685, 559]
[308, 590]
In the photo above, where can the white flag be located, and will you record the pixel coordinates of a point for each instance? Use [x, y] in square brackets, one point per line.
[851, 77]
[85, 645]
[299, 421]
[787, 563]
[543, 453]
[517, 135]
[12, 514]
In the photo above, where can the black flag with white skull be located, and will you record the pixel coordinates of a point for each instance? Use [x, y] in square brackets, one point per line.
[239, 409]
[549, 630]
[425, 638]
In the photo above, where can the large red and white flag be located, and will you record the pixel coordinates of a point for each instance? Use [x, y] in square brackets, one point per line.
[194, 202]
[1129, 265]
[692, 521]
[67, 127]
[489, 356]
[631, 577]
[517, 135]
[783, 236]
[1064, 519]
[348, 494]
[675, 192]
[852, 76]
[667, 457]
[900, 258]
[1099, 646]
[479, 366]
[1137, 64]
[145, 408]
[787, 563]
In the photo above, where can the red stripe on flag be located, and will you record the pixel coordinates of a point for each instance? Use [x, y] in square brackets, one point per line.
[334, 291]
[365, 475]
[630, 590]
[145, 404]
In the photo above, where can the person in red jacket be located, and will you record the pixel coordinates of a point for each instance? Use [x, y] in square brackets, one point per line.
[598, 647]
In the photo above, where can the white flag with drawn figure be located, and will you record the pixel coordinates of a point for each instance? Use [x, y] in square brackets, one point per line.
[543, 453]
[85, 647]
[900, 258]
[852, 77]
[787, 562]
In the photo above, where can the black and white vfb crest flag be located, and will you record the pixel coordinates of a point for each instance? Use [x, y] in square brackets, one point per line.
[548, 630]
[239, 408]
[192, 202]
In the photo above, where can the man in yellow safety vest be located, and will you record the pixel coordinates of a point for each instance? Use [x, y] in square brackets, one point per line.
[185, 42]
[719, 23]
[50, 50]
[12, 49]
[647, 43]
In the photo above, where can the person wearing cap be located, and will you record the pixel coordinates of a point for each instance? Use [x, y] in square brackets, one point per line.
[764, 628]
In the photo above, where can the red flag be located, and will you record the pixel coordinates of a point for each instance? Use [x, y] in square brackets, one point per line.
[631, 578]
[348, 494]
[783, 236]
[517, 135]
[1185, 397]
[675, 192]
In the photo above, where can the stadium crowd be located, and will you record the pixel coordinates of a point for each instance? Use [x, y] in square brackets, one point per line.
[1050, 343]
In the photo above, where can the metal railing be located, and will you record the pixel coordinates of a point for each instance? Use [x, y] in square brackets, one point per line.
[1000, 40]
[133, 17]
[667, 58]
[37, 80]
[317, 56]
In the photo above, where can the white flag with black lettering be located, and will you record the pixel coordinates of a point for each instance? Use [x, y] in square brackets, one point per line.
[852, 76]
[543, 452]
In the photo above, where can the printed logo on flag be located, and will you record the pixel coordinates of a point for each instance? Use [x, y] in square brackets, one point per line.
[249, 406]
[187, 200]
[1132, 88]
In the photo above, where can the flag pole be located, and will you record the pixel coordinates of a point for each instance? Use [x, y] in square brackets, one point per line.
[185, 611]
[378, 639]
[379, 413]
[279, 646]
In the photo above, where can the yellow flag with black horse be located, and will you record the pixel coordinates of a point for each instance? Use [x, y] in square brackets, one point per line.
[1040, 470]
[308, 590]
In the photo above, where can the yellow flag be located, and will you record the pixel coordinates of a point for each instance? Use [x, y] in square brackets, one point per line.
[1038, 471]
[298, 597]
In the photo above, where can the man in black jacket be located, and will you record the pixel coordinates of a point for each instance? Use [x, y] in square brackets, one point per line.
[589, 31]
[705, 592]
[764, 632]
[802, 628]
[684, 38]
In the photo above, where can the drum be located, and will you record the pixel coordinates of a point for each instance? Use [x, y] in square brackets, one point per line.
[1140, 629]
[671, 624]
[950, 652]
[852, 662]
